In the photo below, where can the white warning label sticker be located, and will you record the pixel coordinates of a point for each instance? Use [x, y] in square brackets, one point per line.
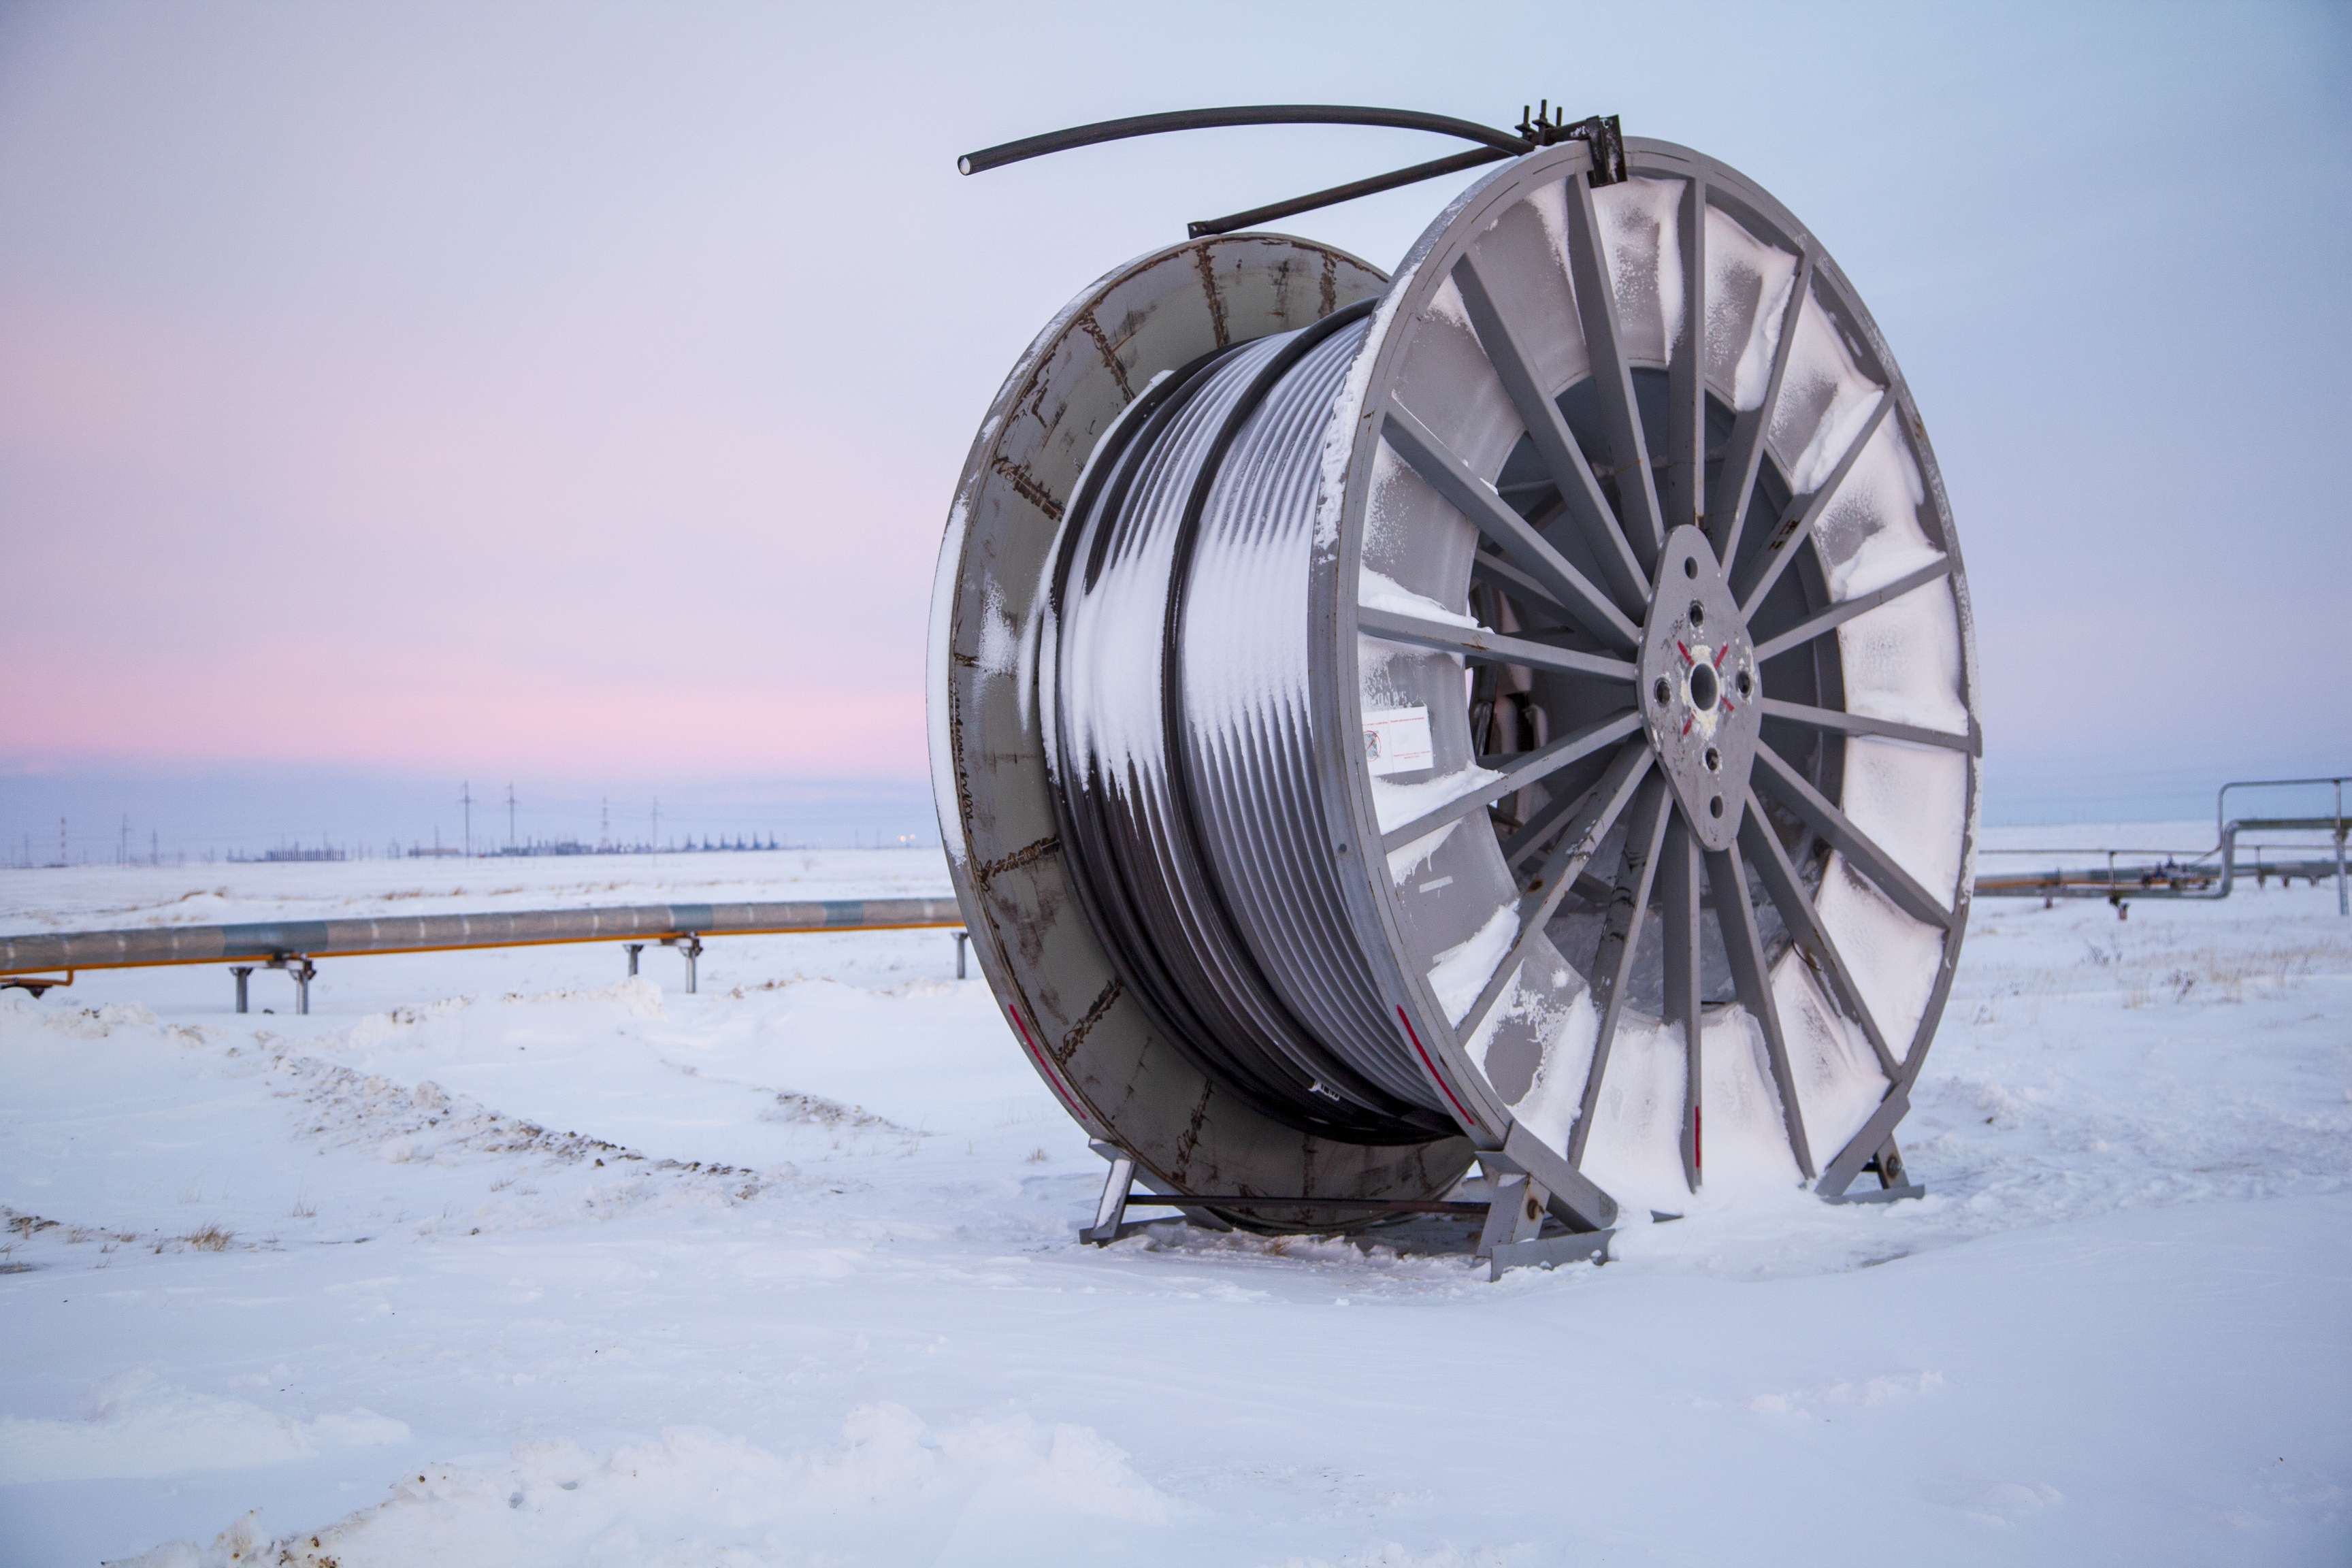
[1396, 740]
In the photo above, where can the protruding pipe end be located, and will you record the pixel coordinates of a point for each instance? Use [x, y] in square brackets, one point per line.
[963, 164]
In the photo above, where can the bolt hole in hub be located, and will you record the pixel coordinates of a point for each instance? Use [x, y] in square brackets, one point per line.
[1337, 780]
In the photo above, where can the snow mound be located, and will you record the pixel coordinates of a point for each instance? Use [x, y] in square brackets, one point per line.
[1396, 1554]
[138, 1429]
[993, 1490]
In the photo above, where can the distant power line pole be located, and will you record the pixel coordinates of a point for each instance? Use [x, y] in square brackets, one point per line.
[603, 823]
[154, 848]
[657, 844]
[61, 840]
[466, 799]
[510, 814]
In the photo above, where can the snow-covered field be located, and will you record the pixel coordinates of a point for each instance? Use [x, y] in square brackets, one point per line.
[499, 1259]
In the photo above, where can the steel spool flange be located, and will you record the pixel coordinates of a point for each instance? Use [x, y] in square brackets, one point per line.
[1537, 437]
[1098, 1046]
[1693, 850]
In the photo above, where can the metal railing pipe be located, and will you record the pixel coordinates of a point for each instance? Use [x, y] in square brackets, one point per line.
[2192, 879]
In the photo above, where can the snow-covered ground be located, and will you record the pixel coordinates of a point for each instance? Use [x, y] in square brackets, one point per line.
[501, 1258]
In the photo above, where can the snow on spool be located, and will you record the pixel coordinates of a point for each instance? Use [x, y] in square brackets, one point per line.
[1527, 702]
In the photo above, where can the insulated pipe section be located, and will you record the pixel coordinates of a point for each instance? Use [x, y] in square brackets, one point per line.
[264, 940]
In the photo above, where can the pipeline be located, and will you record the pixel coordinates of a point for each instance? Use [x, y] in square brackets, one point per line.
[262, 942]
[2206, 876]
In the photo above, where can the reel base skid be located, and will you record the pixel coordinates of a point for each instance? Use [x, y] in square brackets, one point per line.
[1519, 1224]
[1894, 1183]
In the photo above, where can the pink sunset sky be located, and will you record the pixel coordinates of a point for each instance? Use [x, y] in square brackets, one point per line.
[580, 389]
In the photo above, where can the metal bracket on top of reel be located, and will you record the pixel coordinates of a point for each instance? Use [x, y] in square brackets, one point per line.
[1540, 127]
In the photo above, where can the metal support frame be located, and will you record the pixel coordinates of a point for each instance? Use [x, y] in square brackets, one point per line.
[689, 947]
[962, 941]
[1894, 1183]
[2343, 890]
[39, 985]
[633, 949]
[241, 973]
[1512, 1215]
[300, 966]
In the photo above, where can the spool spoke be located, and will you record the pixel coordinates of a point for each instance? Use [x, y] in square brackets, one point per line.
[1478, 643]
[1797, 526]
[1680, 870]
[1645, 831]
[1857, 724]
[1603, 803]
[1579, 492]
[1685, 499]
[1804, 922]
[1744, 454]
[1538, 765]
[1844, 610]
[1475, 499]
[1540, 829]
[1499, 572]
[1860, 850]
[1596, 310]
[1736, 918]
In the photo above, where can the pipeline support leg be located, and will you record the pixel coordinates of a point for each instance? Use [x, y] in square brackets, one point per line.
[962, 939]
[302, 969]
[691, 945]
[633, 949]
[243, 972]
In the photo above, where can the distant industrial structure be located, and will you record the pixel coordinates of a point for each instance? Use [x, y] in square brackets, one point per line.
[289, 852]
[116, 843]
[537, 846]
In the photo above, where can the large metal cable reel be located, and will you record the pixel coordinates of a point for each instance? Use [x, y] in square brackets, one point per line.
[1352, 753]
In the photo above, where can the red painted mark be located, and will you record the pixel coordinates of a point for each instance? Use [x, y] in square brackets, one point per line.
[1432, 1068]
[1053, 1079]
[1686, 653]
[1688, 722]
[1719, 653]
[1728, 707]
